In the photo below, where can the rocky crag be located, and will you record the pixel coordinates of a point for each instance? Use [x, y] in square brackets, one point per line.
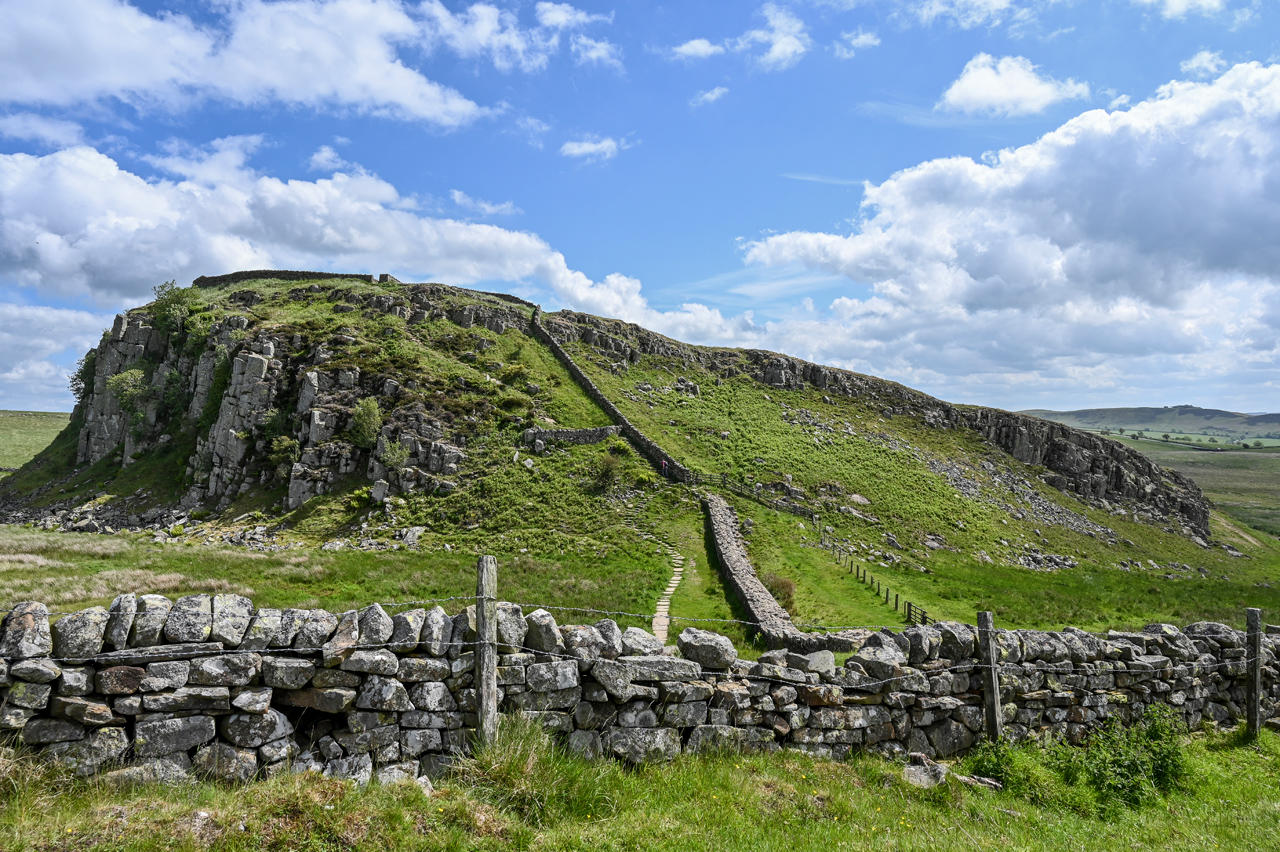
[1093, 468]
[273, 405]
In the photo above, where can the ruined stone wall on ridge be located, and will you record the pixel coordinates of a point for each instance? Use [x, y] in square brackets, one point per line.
[158, 690]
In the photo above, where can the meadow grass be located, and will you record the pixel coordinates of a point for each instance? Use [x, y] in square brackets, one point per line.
[25, 433]
[525, 793]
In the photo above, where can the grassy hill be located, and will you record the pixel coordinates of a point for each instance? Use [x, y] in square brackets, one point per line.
[929, 506]
[25, 433]
[1184, 422]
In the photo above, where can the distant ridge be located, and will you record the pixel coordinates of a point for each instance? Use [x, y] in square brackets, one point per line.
[1185, 419]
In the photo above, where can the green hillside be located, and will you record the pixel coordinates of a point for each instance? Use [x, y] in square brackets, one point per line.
[1182, 421]
[25, 433]
[241, 425]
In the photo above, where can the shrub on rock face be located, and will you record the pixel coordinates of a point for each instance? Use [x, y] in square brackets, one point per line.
[366, 423]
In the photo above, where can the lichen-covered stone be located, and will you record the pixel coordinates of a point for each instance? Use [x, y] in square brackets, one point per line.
[511, 628]
[343, 642]
[25, 632]
[252, 699]
[640, 643]
[406, 630]
[542, 633]
[42, 731]
[159, 737]
[226, 762]
[38, 670]
[287, 672]
[190, 620]
[86, 756]
[121, 680]
[225, 670]
[231, 617]
[375, 626]
[122, 611]
[437, 629]
[251, 730]
[80, 635]
[384, 693]
[372, 661]
[166, 674]
[641, 745]
[262, 630]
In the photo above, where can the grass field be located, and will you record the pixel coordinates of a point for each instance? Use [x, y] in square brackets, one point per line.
[523, 794]
[25, 433]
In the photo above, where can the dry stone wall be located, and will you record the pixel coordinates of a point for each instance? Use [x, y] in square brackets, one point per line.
[156, 690]
[659, 457]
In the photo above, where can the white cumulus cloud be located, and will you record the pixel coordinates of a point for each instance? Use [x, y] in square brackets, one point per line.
[484, 208]
[710, 96]
[1007, 86]
[593, 148]
[1142, 238]
[1206, 63]
[696, 48]
[1181, 8]
[784, 38]
[851, 43]
[591, 51]
[41, 128]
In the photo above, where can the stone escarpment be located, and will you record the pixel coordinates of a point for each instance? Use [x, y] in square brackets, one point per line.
[157, 690]
[246, 385]
[1093, 468]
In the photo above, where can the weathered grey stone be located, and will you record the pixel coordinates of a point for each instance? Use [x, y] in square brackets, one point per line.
[957, 640]
[685, 714]
[358, 768]
[708, 738]
[923, 772]
[511, 628]
[262, 630]
[413, 669]
[384, 693]
[149, 621]
[190, 620]
[376, 627]
[437, 629]
[331, 700]
[166, 674]
[585, 744]
[641, 745]
[142, 656]
[37, 670]
[227, 670]
[127, 705]
[33, 696]
[432, 696]
[415, 741]
[463, 633]
[397, 773]
[346, 636]
[287, 672]
[42, 731]
[121, 680]
[252, 699]
[582, 641]
[372, 661]
[640, 643]
[278, 750]
[170, 769]
[882, 662]
[615, 677]
[213, 698]
[545, 677]
[165, 736]
[25, 632]
[329, 678]
[75, 680]
[612, 636]
[231, 617]
[542, 633]
[226, 762]
[316, 628]
[84, 757]
[251, 730]
[950, 737]
[83, 710]
[79, 636]
[707, 649]
[821, 663]
[406, 630]
[652, 668]
[13, 717]
[122, 611]
[291, 621]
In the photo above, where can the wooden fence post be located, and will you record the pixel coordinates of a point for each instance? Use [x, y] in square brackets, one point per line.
[486, 660]
[990, 676]
[1253, 681]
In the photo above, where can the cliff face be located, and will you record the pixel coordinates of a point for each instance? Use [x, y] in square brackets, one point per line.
[1091, 467]
[265, 404]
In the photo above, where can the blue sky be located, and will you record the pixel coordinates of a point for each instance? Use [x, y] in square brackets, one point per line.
[1020, 203]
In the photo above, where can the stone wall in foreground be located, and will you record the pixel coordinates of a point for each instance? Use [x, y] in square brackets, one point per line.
[153, 689]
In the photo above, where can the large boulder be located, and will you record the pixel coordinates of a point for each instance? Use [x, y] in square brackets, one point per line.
[25, 632]
[707, 649]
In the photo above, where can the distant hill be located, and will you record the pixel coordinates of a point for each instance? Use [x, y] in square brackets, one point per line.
[1181, 419]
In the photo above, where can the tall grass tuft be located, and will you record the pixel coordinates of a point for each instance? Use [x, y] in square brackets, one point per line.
[524, 772]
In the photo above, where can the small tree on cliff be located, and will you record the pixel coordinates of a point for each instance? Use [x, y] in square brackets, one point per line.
[366, 423]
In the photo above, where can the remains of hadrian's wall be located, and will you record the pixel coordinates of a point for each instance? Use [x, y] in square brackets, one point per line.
[158, 690]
